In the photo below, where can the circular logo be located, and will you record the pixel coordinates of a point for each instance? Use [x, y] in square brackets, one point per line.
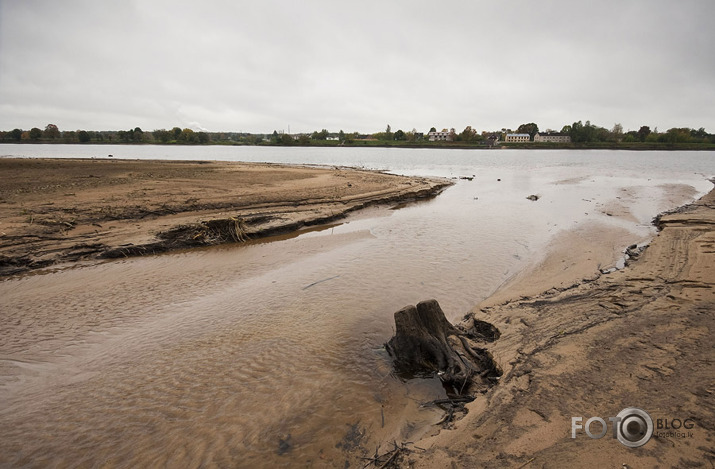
[635, 427]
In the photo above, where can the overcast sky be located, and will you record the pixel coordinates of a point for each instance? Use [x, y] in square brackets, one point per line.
[305, 65]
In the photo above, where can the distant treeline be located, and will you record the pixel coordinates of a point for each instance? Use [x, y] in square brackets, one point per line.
[581, 136]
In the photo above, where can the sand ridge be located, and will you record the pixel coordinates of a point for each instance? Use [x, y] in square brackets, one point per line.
[66, 210]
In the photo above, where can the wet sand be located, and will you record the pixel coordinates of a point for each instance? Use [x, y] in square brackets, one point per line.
[61, 211]
[638, 337]
[562, 351]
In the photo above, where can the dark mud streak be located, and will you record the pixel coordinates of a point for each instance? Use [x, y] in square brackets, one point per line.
[190, 236]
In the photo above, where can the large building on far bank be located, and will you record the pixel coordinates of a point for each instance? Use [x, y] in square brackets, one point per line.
[443, 136]
[557, 137]
[517, 138]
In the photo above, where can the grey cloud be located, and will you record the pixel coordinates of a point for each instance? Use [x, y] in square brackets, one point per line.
[259, 66]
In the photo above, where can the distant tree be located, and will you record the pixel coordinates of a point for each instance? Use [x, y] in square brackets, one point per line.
[83, 136]
[134, 135]
[177, 133]
[322, 135]
[589, 132]
[162, 135]
[35, 134]
[617, 132]
[653, 137]
[341, 136]
[583, 133]
[577, 132]
[303, 139]
[530, 128]
[16, 135]
[677, 135]
[286, 139]
[699, 134]
[188, 136]
[601, 134]
[51, 132]
[643, 133]
[630, 137]
[399, 135]
[69, 136]
[432, 129]
[469, 135]
[388, 133]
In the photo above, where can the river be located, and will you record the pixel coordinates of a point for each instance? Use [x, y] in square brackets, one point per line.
[270, 353]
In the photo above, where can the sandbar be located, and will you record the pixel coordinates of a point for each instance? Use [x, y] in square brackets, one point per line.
[63, 211]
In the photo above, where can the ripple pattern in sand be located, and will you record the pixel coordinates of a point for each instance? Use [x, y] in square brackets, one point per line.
[258, 355]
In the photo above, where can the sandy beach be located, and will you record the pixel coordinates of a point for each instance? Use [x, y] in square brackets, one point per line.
[575, 342]
[638, 337]
[63, 210]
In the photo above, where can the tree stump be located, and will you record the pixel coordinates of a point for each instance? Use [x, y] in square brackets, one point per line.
[425, 343]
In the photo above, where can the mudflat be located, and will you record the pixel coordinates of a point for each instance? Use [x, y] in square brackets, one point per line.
[638, 337]
[66, 210]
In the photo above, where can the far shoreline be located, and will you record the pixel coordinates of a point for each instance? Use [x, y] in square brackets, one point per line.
[634, 146]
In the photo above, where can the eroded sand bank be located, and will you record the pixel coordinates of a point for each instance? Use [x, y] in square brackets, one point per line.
[62, 210]
[638, 337]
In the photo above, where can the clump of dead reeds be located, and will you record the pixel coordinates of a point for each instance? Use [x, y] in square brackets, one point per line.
[222, 231]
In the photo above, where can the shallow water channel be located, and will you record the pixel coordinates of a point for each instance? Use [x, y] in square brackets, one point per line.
[270, 353]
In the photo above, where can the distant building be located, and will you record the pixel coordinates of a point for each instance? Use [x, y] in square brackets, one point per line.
[517, 138]
[443, 136]
[490, 140]
[557, 137]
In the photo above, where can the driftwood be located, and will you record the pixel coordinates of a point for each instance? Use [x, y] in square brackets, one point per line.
[393, 456]
[425, 343]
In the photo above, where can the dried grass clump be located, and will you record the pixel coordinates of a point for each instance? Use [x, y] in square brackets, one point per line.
[222, 231]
